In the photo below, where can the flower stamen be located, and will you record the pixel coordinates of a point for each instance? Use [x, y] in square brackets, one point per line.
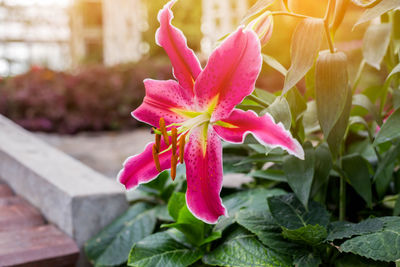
[174, 162]
[164, 131]
[174, 133]
[158, 142]
[156, 158]
[181, 147]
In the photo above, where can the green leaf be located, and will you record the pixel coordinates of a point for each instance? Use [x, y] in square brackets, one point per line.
[312, 235]
[112, 245]
[243, 249]
[290, 213]
[273, 63]
[310, 83]
[233, 155]
[175, 204]
[262, 224]
[396, 210]
[357, 170]
[189, 225]
[340, 11]
[386, 85]
[379, 9]
[310, 118]
[383, 245]
[375, 43]
[384, 173]
[270, 174]
[336, 136]
[396, 30]
[212, 237]
[162, 213]
[296, 103]
[341, 230]
[253, 198]
[363, 101]
[167, 249]
[323, 166]
[157, 185]
[305, 45]
[396, 98]
[383, 179]
[258, 7]
[308, 260]
[390, 129]
[331, 88]
[280, 111]
[299, 173]
[265, 95]
[351, 260]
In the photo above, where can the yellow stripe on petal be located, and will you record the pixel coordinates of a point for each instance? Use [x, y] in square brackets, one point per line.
[204, 137]
[186, 113]
[226, 124]
[213, 103]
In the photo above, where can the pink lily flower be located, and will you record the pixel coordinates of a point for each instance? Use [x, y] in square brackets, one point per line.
[192, 114]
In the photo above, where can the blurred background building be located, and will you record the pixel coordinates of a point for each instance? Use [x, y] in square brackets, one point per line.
[33, 32]
[60, 34]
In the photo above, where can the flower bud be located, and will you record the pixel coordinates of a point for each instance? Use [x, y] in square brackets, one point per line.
[262, 26]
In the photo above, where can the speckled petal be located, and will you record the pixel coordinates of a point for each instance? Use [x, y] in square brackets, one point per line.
[231, 73]
[141, 169]
[204, 175]
[186, 65]
[161, 97]
[265, 130]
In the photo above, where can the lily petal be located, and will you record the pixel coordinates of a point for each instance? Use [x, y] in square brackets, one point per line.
[162, 97]
[141, 169]
[185, 63]
[240, 123]
[230, 74]
[204, 174]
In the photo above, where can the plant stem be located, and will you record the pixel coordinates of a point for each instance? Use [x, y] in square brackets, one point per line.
[342, 190]
[258, 100]
[342, 201]
[327, 16]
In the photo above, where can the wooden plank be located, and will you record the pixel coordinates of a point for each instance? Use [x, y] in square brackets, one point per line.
[15, 215]
[5, 191]
[37, 247]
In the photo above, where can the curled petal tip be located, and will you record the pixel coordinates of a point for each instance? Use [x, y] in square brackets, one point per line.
[167, 8]
[298, 150]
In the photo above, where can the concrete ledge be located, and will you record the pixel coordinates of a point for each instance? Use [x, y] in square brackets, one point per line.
[69, 194]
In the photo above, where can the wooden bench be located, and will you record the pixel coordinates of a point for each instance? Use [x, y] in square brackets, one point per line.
[27, 240]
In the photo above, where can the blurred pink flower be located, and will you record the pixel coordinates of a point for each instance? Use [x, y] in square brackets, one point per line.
[262, 26]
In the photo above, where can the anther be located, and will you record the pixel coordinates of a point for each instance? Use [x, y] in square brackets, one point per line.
[164, 131]
[174, 159]
[156, 158]
[158, 142]
[181, 147]
[174, 140]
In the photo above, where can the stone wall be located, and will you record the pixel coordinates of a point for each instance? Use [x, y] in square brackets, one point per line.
[69, 194]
